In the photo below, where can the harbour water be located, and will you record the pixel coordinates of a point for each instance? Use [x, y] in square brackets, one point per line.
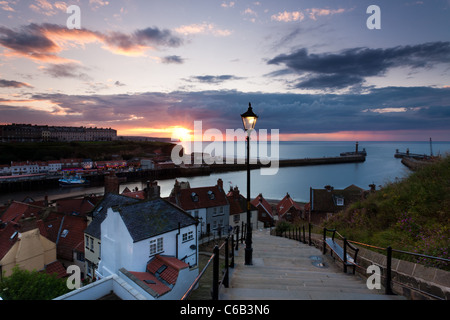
[379, 168]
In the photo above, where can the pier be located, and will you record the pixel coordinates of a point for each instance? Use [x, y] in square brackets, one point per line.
[290, 163]
[408, 154]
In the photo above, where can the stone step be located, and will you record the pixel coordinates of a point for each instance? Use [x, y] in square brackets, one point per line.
[285, 269]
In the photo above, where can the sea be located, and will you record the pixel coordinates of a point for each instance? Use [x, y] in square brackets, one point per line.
[380, 168]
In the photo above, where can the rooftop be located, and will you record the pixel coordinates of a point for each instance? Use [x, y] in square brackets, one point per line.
[150, 218]
[99, 213]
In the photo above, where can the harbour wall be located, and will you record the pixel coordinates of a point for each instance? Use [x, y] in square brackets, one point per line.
[49, 182]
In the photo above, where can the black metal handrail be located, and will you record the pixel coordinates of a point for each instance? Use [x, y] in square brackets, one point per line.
[214, 258]
[388, 250]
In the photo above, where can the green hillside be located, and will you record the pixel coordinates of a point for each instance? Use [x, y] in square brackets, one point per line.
[411, 215]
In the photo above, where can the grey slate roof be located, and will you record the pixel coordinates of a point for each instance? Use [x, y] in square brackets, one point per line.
[99, 213]
[151, 218]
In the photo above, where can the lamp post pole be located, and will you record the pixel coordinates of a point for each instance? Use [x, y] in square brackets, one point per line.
[249, 120]
[248, 237]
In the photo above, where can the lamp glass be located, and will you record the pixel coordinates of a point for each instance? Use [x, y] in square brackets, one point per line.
[249, 119]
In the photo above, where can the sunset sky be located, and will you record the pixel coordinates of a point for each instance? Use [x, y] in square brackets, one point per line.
[312, 69]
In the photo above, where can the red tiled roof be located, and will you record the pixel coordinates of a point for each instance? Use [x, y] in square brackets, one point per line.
[238, 203]
[162, 273]
[286, 204]
[69, 236]
[259, 201]
[173, 266]
[19, 210]
[152, 282]
[186, 197]
[56, 267]
[74, 206]
[135, 194]
[6, 243]
[11, 223]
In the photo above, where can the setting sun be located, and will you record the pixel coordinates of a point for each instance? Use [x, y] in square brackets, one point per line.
[182, 134]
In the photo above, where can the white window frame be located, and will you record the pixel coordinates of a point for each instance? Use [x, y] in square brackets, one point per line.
[156, 246]
[188, 236]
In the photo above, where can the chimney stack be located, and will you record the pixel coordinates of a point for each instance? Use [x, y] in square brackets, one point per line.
[220, 184]
[112, 183]
[153, 191]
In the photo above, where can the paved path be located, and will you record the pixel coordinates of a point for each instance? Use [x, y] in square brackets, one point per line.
[285, 269]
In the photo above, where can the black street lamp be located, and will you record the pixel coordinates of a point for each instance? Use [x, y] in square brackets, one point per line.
[249, 120]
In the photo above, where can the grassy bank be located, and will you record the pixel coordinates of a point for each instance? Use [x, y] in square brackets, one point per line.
[411, 215]
[46, 151]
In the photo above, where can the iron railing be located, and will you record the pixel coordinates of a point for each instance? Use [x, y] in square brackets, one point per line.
[296, 234]
[234, 237]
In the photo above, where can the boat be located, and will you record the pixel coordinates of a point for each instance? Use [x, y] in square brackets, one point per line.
[73, 181]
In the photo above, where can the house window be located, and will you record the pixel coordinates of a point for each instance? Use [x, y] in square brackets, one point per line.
[89, 268]
[188, 236]
[196, 214]
[236, 218]
[340, 201]
[156, 246]
[80, 256]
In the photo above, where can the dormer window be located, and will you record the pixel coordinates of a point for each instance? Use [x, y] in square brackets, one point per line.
[211, 195]
[194, 197]
[340, 201]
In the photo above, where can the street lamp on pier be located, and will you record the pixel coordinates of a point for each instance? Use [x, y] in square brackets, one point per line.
[249, 120]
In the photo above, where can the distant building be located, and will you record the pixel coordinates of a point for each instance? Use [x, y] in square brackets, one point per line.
[328, 201]
[289, 210]
[67, 232]
[38, 133]
[238, 210]
[207, 204]
[265, 212]
[24, 242]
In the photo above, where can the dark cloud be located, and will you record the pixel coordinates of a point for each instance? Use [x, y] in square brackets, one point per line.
[173, 59]
[214, 79]
[13, 84]
[335, 81]
[158, 37]
[28, 41]
[152, 37]
[119, 84]
[383, 109]
[44, 41]
[67, 70]
[350, 67]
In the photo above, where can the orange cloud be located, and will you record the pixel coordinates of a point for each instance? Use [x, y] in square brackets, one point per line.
[45, 41]
[313, 13]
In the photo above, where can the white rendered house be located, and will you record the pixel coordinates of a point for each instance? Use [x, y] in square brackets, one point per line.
[138, 236]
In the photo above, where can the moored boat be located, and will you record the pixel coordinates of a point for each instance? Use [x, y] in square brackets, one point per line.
[73, 181]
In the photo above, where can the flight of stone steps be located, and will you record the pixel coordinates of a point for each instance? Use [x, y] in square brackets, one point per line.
[284, 269]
